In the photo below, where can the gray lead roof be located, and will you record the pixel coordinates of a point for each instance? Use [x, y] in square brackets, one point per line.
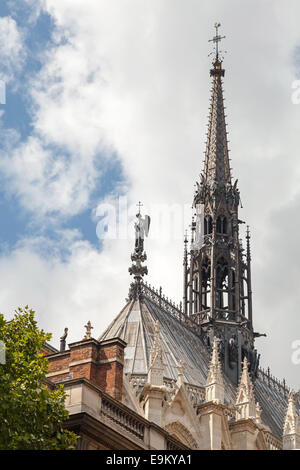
[135, 325]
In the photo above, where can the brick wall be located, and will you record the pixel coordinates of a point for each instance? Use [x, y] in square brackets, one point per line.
[100, 362]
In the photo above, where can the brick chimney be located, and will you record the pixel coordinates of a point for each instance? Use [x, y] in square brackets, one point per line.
[100, 362]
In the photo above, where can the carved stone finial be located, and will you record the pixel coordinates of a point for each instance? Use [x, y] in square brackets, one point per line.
[88, 328]
[291, 418]
[63, 340]
[180, 377]
[258, 413]
[291, 427]
[214, 389]
[246, 407]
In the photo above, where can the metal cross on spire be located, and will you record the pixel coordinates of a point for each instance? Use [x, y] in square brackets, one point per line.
[216, 39]
[139, 206]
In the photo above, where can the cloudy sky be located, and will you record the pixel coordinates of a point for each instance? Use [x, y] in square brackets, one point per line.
[106, 105]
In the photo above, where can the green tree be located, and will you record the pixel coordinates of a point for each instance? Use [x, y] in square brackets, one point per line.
[31, 414]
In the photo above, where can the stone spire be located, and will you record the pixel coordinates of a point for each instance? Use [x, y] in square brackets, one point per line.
[245, 403]
[217, 281]
[217, 168]
[214, 388]
[139, 256]
[291, 427]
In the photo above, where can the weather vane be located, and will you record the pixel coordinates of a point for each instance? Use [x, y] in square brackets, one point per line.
[216, 39]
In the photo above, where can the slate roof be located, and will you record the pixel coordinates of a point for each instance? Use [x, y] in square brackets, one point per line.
[135, 325]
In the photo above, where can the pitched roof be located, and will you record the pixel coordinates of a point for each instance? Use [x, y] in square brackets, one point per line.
[135, 324]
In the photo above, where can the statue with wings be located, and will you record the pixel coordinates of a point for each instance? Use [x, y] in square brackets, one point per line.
[141, 230]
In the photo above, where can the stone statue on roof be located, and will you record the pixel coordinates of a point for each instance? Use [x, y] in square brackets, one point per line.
[141, 227]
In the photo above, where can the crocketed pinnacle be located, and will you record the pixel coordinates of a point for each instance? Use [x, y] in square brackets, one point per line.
[291, 418]
[215, 368]
[246, 406]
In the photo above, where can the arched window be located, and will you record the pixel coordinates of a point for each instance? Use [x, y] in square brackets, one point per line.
[221, 224]
[222, 284]
[205, 288]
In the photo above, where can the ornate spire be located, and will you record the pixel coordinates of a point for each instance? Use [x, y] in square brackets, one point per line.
[291, 418]
[291, 427]
[214, 390]
[139, 255]
[246, 407]
[216, 278]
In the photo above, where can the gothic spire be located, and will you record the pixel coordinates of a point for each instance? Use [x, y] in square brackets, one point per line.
[291, 418]
[214, 389]
[246, 406]
[217, 280]
[217, 168]
[291, 427]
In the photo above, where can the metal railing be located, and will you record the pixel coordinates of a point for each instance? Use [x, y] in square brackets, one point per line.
[168, 306]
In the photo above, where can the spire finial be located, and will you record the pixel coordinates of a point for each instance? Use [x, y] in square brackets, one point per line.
[139, 206]
[215, 40]
[141, 227]
[180, 377]
[246, 406]
[88, 328]
[291, 422]
[63, 340]
[214, 388]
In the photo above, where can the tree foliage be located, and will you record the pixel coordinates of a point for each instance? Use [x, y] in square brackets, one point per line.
[31, 415]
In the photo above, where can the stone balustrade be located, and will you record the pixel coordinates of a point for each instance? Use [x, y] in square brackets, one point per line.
[84, 397]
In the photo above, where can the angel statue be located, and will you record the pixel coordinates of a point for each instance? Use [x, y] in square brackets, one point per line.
[141, 230]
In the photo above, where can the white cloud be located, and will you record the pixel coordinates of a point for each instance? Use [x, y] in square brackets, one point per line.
[47, 180]
[64, 293]
[11, 48]
[132, 77]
